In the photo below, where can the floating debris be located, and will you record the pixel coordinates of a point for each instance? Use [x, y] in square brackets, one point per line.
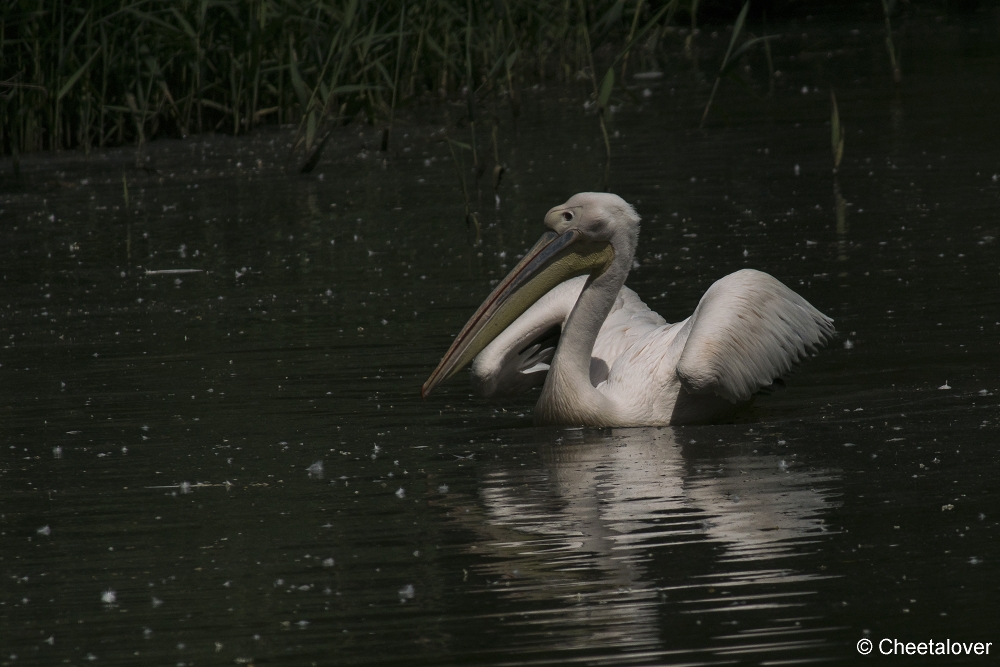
[406, 592]
[170, 272]
[945, 385]
[400, 493]
[947, 508]
[328, 562]
[316, 470]
[187, 487]
[44, 530]
[109, 597]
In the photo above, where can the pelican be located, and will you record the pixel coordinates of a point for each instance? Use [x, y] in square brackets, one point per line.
[564, 319]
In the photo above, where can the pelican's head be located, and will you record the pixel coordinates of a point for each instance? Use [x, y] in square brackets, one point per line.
[588, 232]
[598, 216]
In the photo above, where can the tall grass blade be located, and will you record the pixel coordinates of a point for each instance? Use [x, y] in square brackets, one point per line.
[737, 30]
[897, 74]
[66, 87]
[836, 134]
[607, 84]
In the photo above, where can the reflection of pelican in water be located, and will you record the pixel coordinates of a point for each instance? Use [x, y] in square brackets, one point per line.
[616, 362]
[609, 524]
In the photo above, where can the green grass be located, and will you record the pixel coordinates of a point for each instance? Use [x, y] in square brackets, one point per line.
[104, 72]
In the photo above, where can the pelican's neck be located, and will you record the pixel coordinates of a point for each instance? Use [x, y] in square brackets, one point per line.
[568, 394]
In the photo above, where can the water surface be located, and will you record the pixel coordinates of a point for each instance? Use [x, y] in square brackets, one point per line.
[234, 465]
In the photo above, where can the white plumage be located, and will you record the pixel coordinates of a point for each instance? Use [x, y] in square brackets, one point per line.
[604, 358]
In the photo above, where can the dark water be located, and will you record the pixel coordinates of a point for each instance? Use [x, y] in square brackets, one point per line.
[159, 502]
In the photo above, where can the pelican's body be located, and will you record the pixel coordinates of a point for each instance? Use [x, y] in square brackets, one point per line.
[564, 319]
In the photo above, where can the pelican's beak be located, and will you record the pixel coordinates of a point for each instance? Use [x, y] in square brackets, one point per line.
[554, 259]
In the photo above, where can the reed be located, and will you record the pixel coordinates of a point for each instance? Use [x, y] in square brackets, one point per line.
[88, 73]
[733, 55]
[837, 133]
[890, 47]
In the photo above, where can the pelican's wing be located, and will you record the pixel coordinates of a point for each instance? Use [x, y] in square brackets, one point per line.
[628, 322]
[747, 331]
[518, 359]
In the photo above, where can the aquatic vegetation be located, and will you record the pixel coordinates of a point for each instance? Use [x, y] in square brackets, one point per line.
[732, 56]
[897, 74]
[837, 133]
[86, 74]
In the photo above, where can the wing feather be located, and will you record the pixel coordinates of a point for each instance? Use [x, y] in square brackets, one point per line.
[748, 330]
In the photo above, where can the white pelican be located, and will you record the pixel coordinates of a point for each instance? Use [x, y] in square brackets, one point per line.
[616, 362]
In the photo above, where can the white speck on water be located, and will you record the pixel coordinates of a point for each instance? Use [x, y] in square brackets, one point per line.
[406, 592]
[984, 392]
[57, 452]
[416, 554]
[303, 623]
[947, 508]
[974, 561]
[185, 487]
[316, 470]
[400, 493]
[147, 633]
[91, 657]
[328, 562]
[849, 444]
[109, 597]
[945, 385]
[156, 602]
[797, 170]
[44, 530]
[443, 488]
[848, 344]
[746, 253]
[783, 465]
[51, 641]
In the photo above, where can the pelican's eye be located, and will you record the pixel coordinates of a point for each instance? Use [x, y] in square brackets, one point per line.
[567, 215]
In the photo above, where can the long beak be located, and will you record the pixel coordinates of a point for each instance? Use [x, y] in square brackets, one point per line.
[554, 259]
